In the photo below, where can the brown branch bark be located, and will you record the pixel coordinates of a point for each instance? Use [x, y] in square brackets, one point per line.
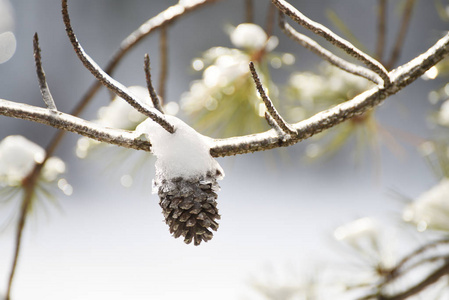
[401, 77]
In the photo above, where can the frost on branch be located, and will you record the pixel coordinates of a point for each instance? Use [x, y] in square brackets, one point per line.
[186, 179]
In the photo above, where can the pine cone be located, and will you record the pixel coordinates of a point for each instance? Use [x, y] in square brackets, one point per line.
[189, 206]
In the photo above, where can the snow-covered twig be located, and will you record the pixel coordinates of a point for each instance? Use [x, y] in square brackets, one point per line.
[333, 38]
[400, 78]
[325, 54]
[45, 91]
[113, 85]
[269, 104]
[151, 91]
[71, 123]
[168, 16]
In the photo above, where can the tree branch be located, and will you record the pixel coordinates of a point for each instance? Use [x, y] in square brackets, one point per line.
[45, 91]
[151, 91]
[164, 18]
[71, 123]
[381, 28]
[269, 104]
[163, 47]
[401, 77]
[113, 85]
[401, 33]
[419, 287]
[325, 54]
[333, 38]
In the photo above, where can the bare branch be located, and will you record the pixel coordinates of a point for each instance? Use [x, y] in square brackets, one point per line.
[273, 124]
[71, 123]
[419, 287]
[325, 54]
[113, 85]
[396, 270]
[249, 9]
[401, 77]
[333, 38]
[400, 38]
[163, 46]
[153, 94]
[165, 17]
[270, 19]
[45, 91]
[269, 105]
[381, 29]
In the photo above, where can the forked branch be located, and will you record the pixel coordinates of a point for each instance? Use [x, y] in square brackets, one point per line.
[325, 54]
[151, 91]
[333, 38]
[400, 78]
[113, 85]
[269, 104]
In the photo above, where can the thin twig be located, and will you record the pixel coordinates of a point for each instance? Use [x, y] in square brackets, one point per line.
[273, 123]
[29, 183]
[249, 11]
[269, 24]
[381, 29]
[45, 91]
[163, 49]
[400, 38]
[269, 104]
[415, 289]
[414, 254]
[71, 123]
[325, 54]
[152, 92]
[165, 17]
[113, 85]
[401, 77]
[333, 38]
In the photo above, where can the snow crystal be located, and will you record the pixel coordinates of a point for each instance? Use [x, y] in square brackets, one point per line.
[184, 153]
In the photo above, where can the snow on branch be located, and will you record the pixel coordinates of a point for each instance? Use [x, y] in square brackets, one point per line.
[333, 38]
[71, 123]
[325, 54]
[269, 104]
[45, 91]
[400, 78]
[151, 91]
[113, 85]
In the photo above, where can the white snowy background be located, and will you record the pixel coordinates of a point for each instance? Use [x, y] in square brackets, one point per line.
[278, 213]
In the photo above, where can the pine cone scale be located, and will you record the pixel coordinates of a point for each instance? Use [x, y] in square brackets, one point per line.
[189, 207]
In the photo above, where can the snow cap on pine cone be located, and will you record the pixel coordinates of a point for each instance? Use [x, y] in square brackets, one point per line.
[186, 179]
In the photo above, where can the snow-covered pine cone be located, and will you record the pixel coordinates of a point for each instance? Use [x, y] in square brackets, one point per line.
[189, 206]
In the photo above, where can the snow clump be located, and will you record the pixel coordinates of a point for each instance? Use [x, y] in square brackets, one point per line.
[185, 153]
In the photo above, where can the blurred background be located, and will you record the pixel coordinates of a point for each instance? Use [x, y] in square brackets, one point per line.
[279, 209]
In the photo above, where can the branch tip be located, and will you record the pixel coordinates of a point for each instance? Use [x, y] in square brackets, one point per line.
[113, 85]
[334, 39]
[269, 104]
[325, 54]
[43, 86]
[152, 92]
